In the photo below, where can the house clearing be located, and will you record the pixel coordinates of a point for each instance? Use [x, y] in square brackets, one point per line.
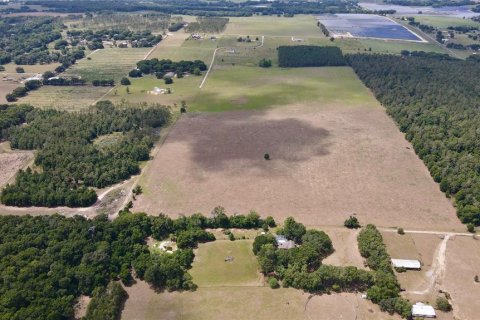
[284, 243]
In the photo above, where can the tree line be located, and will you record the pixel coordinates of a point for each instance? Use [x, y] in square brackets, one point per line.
[161, 67]
[138, 39]
[309, 56]
[72, 164]
[434, 101]
[301, 267]
[48, 261]
[208, 24]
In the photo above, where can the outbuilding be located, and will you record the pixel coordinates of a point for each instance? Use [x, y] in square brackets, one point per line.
[407, 264]
[423, 310]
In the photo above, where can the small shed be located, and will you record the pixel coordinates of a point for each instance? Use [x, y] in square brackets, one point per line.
[169, 75]
[284, 243]
[407, 264]
[423, 310]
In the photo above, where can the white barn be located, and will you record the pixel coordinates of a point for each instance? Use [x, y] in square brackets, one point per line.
[407, 264]
[423, 310]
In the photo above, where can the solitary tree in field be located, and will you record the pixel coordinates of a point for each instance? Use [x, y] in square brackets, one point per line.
[266, 156]
[128, 90]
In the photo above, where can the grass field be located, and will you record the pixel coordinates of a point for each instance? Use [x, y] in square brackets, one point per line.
[210, 268]
[110, 63]
[65, 98]
[246, 303]
[444, 22]
[298, 26]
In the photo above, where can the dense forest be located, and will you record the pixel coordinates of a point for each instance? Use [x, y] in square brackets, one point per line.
[203, 8]
[12, 116]
[301, 267]
[24, 39]
[161, 67]
[48, 261]
[309, 56]
[435, 102]
[69, 159]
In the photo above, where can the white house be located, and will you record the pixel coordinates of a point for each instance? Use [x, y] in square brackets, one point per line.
[423, 310]
[284, 243]
[407, 264]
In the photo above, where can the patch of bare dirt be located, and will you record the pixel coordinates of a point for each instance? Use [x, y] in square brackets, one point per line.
[10, 163]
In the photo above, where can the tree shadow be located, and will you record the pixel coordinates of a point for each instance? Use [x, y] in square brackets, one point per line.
[237, 141]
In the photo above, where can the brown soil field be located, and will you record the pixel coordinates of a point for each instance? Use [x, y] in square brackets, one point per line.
[6, 88]
[422, 247]
[462, 265]
[346, 248]
[245, 303]
[327, 162]
[10, 163]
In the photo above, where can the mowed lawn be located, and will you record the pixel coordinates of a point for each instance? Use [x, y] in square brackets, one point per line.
[110, 63]
[210, 268]
[299, 25]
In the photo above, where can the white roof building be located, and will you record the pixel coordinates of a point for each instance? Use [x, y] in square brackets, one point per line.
[284, 243]
[407, 264]
[423, 310]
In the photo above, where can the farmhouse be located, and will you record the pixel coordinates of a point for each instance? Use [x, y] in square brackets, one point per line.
[284, 243]
[423, 310]
[407, 264]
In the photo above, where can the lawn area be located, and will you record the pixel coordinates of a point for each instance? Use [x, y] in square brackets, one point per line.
[444, 22]
[187, 50]
[65, 98]
[298, 26]
[110, 63]
[210, 268]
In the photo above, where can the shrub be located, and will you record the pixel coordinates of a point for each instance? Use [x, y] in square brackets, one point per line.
[125, 81]
[168, 80]
[400, 231]
[231, 237]
[352, 223]
[10, 97]
[471, 227]
[135, 73]
[443, 304]
[19, 70]
[265, 63]
[273, 283]
[266, 156]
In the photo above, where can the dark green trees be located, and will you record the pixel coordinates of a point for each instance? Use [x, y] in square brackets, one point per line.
[309, 56]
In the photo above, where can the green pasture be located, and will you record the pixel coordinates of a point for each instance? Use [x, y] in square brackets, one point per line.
[70, 98]
[210, 268]
[445, 22]
[245, 88]
[110, 63]
[297, 26]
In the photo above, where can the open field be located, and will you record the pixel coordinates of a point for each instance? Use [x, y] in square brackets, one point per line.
[300, 25]
[346, 249]
[245, 303]
[463, 264]
[110, 63]
[11, 162]
[71, 98]
[211, 270]
[444, 22]
[29, 69]
[328, 159]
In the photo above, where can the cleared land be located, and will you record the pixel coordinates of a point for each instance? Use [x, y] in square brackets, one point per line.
[300, 25]
[334, 152]
[346, 249]
[211, 268]
[245, 303]
[11, 162]
[71, 98]
[444, 22]
[463, 264]
[110, 63]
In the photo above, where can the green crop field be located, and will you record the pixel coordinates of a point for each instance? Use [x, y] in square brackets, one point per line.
[444, 22]
[300, 25]
[110, 63]
[210, 268]
[189, 50]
